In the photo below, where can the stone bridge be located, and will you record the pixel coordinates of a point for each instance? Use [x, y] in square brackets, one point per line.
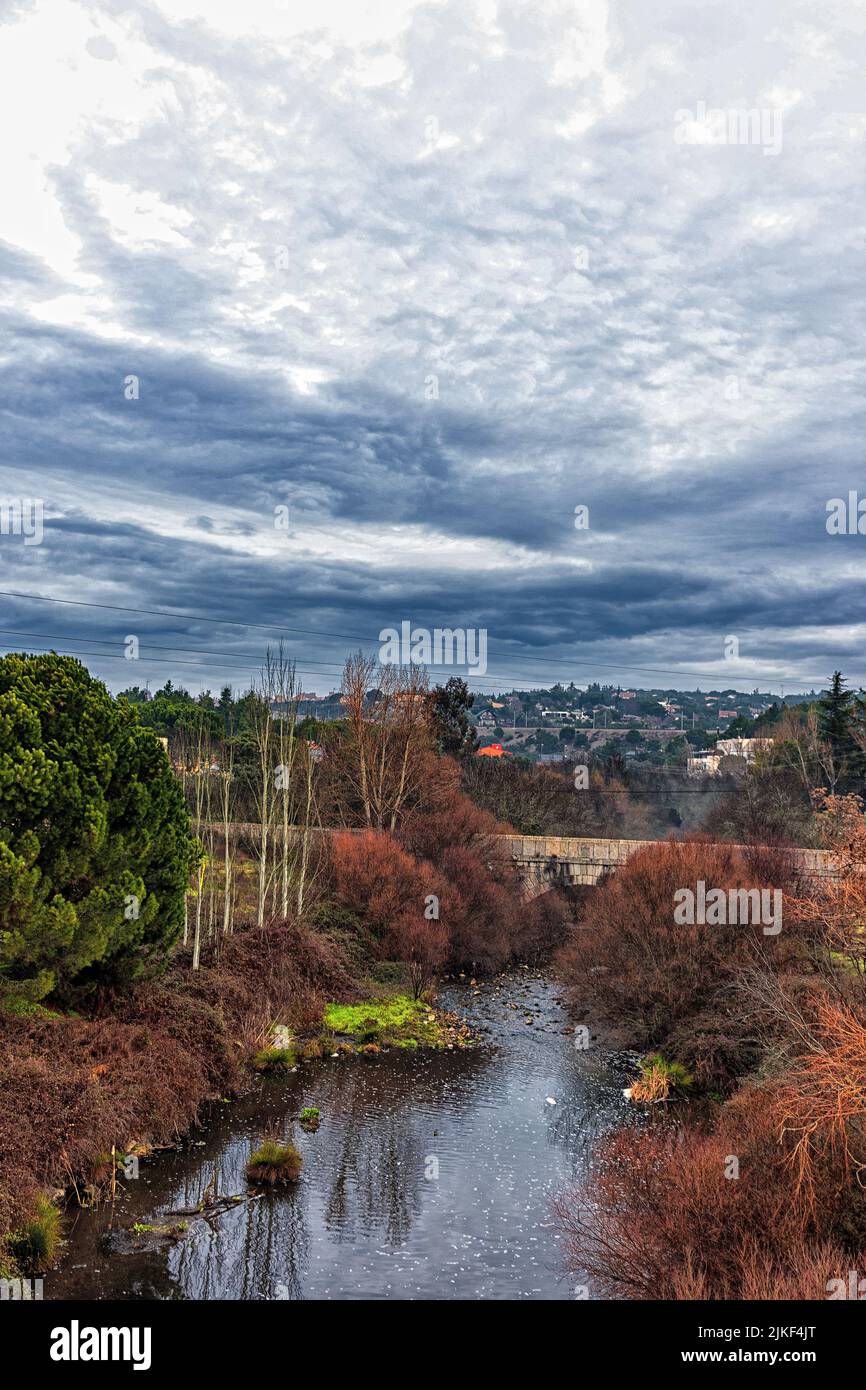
[548, 861]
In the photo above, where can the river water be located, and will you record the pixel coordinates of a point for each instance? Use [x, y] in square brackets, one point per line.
[431, 1176]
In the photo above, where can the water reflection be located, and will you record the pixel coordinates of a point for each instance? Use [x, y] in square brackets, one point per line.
[431, 1176]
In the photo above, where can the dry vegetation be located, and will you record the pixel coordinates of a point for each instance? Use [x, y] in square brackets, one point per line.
[761, 1196]
[141, 1072]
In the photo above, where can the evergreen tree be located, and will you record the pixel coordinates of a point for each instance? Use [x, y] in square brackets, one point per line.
[95, 849]
[450, 705]
[838, 718]
[226, 704]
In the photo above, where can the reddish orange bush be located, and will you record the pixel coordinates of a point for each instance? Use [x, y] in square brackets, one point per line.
[489, 921]
[637, 969]
[71, 1087]
[374, 876]
[483, 921]
[422, 944]
[444, 817]
[667, 1223]
[403, 901]
[673, 1219]
[821, 1105]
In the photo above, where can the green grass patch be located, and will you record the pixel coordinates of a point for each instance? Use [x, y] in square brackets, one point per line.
[397, 1021]
[660, 1079]
[675, 1073]
[274, 1059]
[36, 1245]
[843, 962]
[274, 1162]
[26, 1008]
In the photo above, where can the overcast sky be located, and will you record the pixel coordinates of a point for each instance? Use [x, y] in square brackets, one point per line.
[431, 276]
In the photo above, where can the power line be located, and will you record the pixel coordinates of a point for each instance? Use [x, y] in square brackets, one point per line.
[252, 664]
[107, 656]
[353, 637]
[190, 617]
[145, 658]
[106, 641]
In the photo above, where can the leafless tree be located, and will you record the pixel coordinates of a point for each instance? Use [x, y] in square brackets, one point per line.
[388, 720]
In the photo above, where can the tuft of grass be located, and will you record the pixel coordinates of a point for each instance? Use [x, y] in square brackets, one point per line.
[143, 1228]
[310, 1116]
[274, 1059]
[274, 1162]
[35, 1246]
[659, 1078]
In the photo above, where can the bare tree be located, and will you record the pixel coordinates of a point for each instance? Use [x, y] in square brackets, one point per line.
[285, 696]
[310, 818]
[226, 785]
[388, 726]
[283, 788]
[261, 787]
[196, 754]
[797, 744]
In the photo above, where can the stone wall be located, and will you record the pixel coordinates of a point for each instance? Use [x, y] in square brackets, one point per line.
[545, 860]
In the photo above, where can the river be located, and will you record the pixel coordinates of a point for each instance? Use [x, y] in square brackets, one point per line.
[431, 1175]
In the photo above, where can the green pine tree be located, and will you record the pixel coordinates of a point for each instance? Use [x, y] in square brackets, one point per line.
[450, 705]
[839, 716]
[95, 848]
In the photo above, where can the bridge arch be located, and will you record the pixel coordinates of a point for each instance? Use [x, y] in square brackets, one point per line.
[550, 861]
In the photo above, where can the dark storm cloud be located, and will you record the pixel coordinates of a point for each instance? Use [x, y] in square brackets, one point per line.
[435, 314]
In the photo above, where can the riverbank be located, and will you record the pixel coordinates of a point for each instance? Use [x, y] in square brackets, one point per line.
[431, 1174]
[82, 1100]
[755, 1190]
[74, 1091]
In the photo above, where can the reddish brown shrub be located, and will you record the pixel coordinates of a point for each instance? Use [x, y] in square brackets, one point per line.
[821, 1105]
[393, 896]
[541, 926]
[445, 817]
[374, 876]
[422, 944]
[642, 972]
[483, 921]
[481, 914]
[667, 1223]
[71, 1087]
